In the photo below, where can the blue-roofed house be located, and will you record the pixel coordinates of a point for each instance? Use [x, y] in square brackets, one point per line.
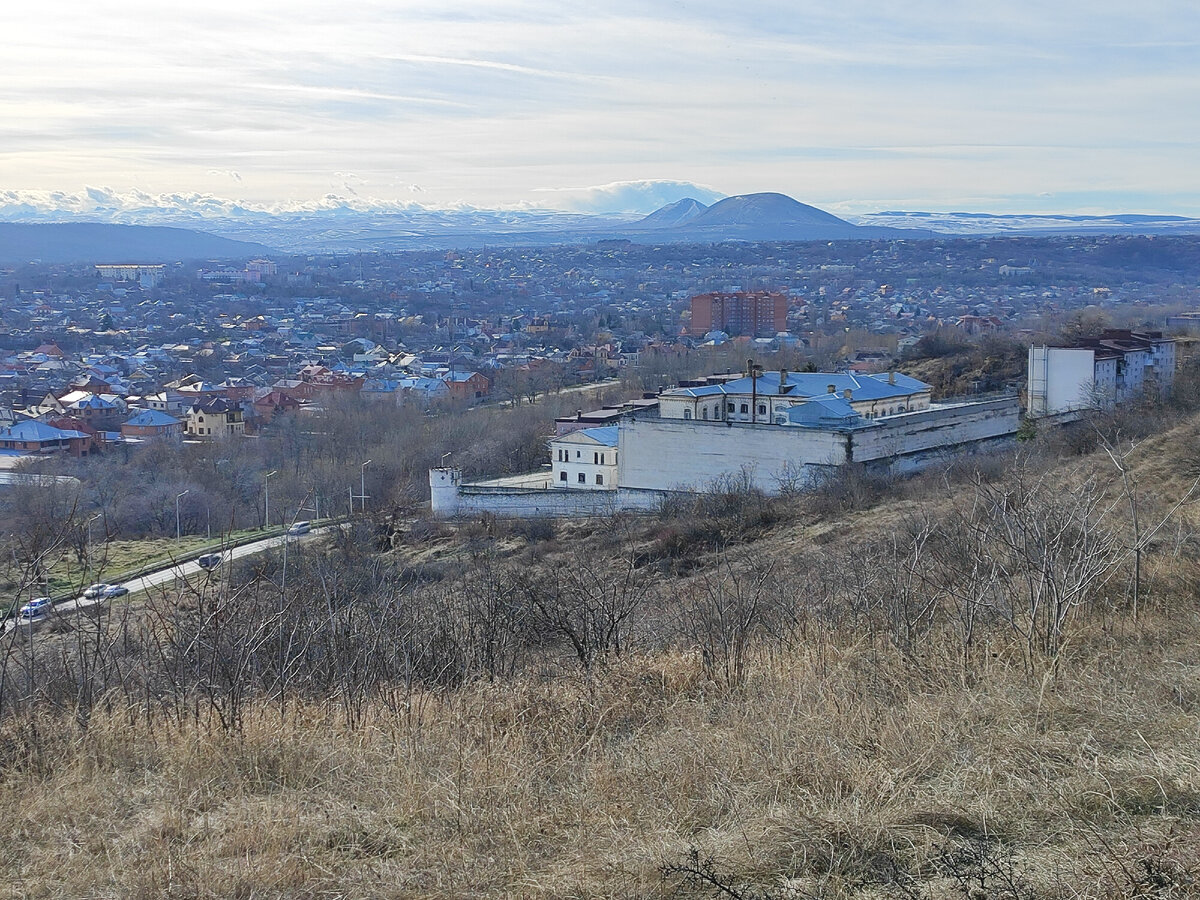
[586, 459]
[32, 436]
[152, 423]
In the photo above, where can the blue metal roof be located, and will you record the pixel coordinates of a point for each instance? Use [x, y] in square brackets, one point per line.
[824, 411]
[815, 384]
[601, 434]
[33, 430]
[152, 417]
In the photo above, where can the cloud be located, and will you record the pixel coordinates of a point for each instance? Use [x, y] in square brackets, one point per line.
[488, 101]
[624, 196]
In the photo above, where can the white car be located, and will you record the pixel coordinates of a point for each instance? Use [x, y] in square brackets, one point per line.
[115, 590]
[96, 590]
[36, 610]
[299, 528]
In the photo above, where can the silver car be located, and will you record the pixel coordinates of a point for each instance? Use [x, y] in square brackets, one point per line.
[35, 610]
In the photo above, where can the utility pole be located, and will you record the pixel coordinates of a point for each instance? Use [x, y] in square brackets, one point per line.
[362, 485]
[178, 534]
[267, 499]
[88, 555]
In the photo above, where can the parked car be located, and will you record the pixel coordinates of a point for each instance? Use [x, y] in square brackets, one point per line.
[96, 590]
[115, 590]
[35, 610]
[209, 561]
[299, 528]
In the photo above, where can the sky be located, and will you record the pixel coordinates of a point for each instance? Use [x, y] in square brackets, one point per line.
[855, 106]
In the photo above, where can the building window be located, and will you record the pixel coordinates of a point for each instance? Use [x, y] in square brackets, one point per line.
[578, 454]
[562, 476]
[599, 479]
[687, 413]
[704, 413]
[601, 459]
[745, 408]
[762, 409]
[730, 407]
[582, 478]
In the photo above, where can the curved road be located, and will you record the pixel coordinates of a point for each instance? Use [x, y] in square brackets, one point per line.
[169, 573]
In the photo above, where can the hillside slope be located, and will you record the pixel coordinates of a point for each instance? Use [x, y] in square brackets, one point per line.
[831, 696]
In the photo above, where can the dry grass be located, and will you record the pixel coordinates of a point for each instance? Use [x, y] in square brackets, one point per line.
[831, 758]
[844, 765]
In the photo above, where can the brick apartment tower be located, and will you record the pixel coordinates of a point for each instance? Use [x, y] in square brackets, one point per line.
[759, 313]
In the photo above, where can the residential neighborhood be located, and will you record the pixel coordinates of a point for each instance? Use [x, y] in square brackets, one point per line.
[108, 353]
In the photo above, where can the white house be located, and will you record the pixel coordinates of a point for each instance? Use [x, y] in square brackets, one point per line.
[586, 459]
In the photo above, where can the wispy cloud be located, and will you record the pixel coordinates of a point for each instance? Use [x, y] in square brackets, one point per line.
[489, 101]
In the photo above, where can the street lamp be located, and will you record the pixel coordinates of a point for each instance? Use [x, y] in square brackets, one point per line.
[267, 499]
[177, 498]
[88, 553]
[362, 485]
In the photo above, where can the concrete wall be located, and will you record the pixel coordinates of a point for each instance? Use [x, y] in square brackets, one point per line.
[672, 455]
[660, 457]
[451, 498]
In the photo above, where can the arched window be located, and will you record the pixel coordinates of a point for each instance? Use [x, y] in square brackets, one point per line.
[687, 413]
[704, 413]
[762, 409]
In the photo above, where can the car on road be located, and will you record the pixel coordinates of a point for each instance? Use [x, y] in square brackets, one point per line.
[115, 590]
[299, 528]
[96, 590]
[209, 561]
[35, 610]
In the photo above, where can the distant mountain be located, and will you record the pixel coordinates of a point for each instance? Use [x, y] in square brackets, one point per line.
[673, 214]
[93, 242]
[1031, 224]
[766, 210]
[760, 217]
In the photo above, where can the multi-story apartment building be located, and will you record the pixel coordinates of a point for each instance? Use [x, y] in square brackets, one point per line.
[1118, 365]
[760, 313]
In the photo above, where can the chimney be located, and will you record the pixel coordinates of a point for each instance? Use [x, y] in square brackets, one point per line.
[782, 377]
[891, 377]
[833, 388]
[749, 368]
[846, 394]
[578, 414]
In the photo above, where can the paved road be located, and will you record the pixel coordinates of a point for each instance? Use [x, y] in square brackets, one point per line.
[169, 573]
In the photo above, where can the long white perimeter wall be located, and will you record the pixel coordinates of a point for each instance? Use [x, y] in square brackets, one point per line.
[673, 455]
[466, 500]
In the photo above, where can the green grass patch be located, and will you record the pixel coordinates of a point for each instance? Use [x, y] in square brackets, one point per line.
[65, 572]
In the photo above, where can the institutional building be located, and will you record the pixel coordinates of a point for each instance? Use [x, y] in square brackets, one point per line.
[1117, 366]
[776, 431]
[756, 313]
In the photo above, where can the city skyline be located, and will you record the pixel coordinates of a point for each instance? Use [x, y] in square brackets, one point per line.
[1021, 107]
